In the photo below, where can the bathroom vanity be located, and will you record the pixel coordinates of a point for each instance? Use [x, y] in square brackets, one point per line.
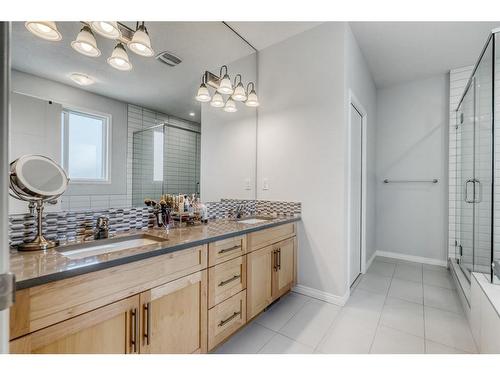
[187, 291]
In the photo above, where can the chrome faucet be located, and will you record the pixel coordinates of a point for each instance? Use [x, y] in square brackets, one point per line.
[102, 228]
[240, 210]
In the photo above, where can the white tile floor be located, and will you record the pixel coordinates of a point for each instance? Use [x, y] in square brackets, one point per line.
[397, 307]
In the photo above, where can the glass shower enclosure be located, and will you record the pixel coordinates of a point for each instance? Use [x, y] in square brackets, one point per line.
[165, 160]
[478, 146]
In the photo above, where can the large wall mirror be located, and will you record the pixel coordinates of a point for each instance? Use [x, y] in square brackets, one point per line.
[126, 135]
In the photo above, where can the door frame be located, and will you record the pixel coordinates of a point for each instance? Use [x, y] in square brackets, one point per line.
[356, 103]
[4, 167]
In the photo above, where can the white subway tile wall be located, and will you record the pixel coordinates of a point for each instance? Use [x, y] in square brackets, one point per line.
[181, 163]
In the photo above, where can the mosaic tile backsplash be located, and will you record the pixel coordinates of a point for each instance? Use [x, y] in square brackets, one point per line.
[70, 225]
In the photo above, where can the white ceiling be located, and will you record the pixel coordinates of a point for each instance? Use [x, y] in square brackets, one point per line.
[265, 34]
[404, 51]
[200, 45]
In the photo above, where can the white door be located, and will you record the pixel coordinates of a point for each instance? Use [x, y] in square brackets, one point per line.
[356, 193]
[4, 134]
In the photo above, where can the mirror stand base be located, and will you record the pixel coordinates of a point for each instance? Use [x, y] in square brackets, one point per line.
[38, 243]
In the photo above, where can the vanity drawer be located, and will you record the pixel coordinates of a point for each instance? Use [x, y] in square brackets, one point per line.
[226, 318]
[262, 238]
[227, 249]
[226, 279]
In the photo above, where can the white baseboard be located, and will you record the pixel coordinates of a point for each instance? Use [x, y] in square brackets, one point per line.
[369, 262]
[412, 258]
[321, 295]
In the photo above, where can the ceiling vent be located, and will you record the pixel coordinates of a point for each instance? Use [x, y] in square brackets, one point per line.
[168, 58]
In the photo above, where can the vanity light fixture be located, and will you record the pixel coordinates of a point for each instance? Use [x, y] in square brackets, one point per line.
[81, 79]
[119, 58]
[44, 29]
[141, 42]
[239, 94]
[252, 100]
[203, 94]
[235, 92]
[225, 86]
[107, 29]
[230, 106]
[85, 43]
[217, 101]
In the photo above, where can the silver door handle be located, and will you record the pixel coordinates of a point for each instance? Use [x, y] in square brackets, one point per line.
[467, 200]
[479, 191]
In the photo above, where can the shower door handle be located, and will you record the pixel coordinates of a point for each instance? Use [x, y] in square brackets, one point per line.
[479, 190]
[467, 200]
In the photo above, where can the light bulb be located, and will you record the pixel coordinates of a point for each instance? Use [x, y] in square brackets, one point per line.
[119, 58]
[230, 106]
[217, 101]
[107, 29]
[239, 93]
[225, 86]
[44, 29]
[252, 100]
[141, 43]
[203, 94]
[85, 43]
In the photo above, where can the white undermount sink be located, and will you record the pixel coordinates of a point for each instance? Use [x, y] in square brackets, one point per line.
[253, 220]
[100, 247]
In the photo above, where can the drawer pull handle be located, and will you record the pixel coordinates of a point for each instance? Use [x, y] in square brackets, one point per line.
[224, 322]
[229, 249]
[235, 277]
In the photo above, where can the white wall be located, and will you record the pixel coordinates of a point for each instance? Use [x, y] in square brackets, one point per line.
[361, 84]
[412, 143]
[228, 140]
[302, 147]
[34, 129]
[38, 87]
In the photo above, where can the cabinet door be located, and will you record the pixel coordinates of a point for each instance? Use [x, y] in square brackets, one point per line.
[174, 316]
[112, 329]
[259, 285]
[283, 271]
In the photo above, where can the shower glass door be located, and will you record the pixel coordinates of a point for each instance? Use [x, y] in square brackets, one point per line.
[475, 169]
[466, 180]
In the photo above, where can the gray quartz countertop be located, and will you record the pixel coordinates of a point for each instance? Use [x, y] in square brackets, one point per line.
[41, 267]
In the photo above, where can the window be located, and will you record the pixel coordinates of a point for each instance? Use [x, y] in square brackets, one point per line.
[85, 146]
[158, 156]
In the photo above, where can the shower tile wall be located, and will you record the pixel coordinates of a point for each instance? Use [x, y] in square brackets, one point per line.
[181, 148]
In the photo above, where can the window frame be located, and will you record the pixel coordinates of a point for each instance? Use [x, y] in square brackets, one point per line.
[106, 133]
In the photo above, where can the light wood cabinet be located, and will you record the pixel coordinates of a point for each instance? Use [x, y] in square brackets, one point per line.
[270, 274]
[226, 279]
[283, 268]
[224, 250]
[174, 316]
[259, 280]
[189, 301]
[226, 318]
[112, 329]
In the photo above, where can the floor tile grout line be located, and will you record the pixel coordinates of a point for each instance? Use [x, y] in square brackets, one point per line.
[380, 316]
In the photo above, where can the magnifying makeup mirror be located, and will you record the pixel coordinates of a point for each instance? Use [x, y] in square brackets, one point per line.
[37, 179]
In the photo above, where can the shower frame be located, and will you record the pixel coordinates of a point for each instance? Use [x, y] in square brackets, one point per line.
[459, 112]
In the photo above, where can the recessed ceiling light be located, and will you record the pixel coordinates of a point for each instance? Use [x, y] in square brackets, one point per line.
[44, 29]
[191, 114]
[81, 79]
